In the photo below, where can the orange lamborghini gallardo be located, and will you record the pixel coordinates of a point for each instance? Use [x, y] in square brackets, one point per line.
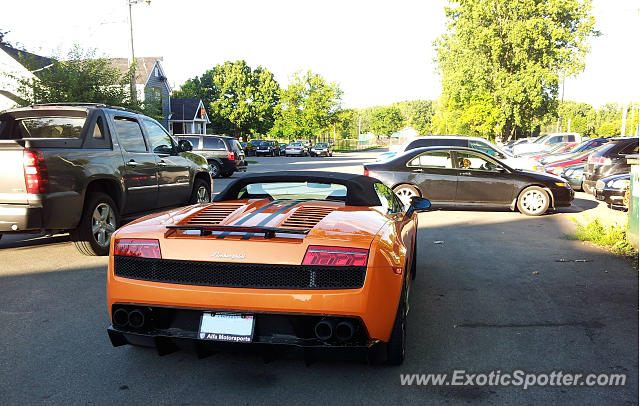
[309, 259]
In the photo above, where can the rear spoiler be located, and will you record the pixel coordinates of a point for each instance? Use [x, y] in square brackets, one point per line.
[269, 232]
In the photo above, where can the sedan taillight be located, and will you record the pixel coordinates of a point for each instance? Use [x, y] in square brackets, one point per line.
[231, 156]
[335, 256]
[137, 247]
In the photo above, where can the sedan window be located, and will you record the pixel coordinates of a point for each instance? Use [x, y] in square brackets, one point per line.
[469, 160]
[432, 159]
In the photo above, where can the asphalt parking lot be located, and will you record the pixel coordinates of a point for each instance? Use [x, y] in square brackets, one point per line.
[495, 291]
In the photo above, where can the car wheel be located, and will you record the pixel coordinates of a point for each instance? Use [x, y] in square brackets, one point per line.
[201, 192]
[398, 341]
[533, 201]
[215, 169]
[98, 223]
[226, 174]
[587, 188]
[331, 154]
[405, 193]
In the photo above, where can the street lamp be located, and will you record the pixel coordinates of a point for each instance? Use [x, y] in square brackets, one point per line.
[134, 95]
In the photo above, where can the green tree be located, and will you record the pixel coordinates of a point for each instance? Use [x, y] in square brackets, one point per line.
[501, 60]
[80, 77]
[386, 120]
[417, 114]
[238, 99]
[308, 106]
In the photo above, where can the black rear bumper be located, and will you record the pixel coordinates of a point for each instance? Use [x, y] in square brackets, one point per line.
[172, 329]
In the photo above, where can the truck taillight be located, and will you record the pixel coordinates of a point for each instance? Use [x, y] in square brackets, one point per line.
[137, 247]
[231, 156]
[335, 256]
[36, 175]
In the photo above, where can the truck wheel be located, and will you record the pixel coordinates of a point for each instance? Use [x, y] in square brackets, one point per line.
[98, 223]
[215, 169]
[201, 192]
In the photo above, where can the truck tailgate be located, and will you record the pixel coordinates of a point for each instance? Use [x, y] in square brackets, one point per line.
[12, 184]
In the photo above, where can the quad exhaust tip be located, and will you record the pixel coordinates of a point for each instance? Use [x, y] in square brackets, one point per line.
[344, 331]
[324, 329]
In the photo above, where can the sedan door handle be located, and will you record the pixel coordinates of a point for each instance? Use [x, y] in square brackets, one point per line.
[162, 163]
[465, 173]
[132, 163]
[418, 170]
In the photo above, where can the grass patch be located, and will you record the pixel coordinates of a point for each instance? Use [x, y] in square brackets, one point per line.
[612, 237]
[252, 162]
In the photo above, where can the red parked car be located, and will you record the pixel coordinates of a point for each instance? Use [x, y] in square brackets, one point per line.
[557, 150]
[579, 158]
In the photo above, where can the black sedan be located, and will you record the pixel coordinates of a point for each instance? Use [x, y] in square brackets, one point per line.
[464, 177]
[614, 190]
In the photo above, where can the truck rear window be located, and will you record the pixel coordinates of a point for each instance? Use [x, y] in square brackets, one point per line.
[41, 127]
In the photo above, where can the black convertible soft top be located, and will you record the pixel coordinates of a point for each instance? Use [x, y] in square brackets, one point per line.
[360, 189]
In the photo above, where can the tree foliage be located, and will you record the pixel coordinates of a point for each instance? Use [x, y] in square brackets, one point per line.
[386, 120]
[80, 77]
[308, 106]
[501, 60]
[238, 99]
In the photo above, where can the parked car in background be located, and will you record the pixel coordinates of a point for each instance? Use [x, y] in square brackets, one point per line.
[556, 168]
[545, 143]
[248, 148]
[609, 159]
[466, 177]
[558, 149]
[385, 156]
[283, 148]
[509, 146]
[295, 148]
[573, 175]
[322, 149]
[85, 168]
[586, 145]
[614, 190]
[268, 148]
[224, 154]
[476, 143]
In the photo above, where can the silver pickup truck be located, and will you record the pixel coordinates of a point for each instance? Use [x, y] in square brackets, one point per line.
[86, 168]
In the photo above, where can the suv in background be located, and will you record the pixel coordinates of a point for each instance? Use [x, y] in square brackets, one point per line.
[224, 154]
[268, 148]
[545, 143]
[248, 148]
[476, 143]
[85, 168]
[609, 159]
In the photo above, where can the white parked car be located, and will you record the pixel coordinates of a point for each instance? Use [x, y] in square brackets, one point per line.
[295, 148]
[545, 143]
[478, 143]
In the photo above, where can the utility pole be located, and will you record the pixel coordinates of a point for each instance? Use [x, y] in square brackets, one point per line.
[132, 59]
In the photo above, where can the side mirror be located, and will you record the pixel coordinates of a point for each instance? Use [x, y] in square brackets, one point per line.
[417, 204]
[185, 146]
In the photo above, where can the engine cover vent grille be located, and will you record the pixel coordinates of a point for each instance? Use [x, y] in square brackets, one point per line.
[307, 217]
[214, 214]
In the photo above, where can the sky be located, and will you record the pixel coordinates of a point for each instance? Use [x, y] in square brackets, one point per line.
[379, 52]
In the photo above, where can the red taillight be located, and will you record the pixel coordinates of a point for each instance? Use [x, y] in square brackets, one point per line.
[134, 247]
[335, 256]
[231, 155]
[366, 172]
[36, 175]
[599, 160]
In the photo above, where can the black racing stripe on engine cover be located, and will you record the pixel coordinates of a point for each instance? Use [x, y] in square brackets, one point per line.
[247, 218]
[271, 217]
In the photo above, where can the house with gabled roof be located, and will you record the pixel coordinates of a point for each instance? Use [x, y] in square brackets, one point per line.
[151, 82]
[188, 116]
[16, 65]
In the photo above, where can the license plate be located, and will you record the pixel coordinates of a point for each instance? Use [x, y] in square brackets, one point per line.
[234, 328]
